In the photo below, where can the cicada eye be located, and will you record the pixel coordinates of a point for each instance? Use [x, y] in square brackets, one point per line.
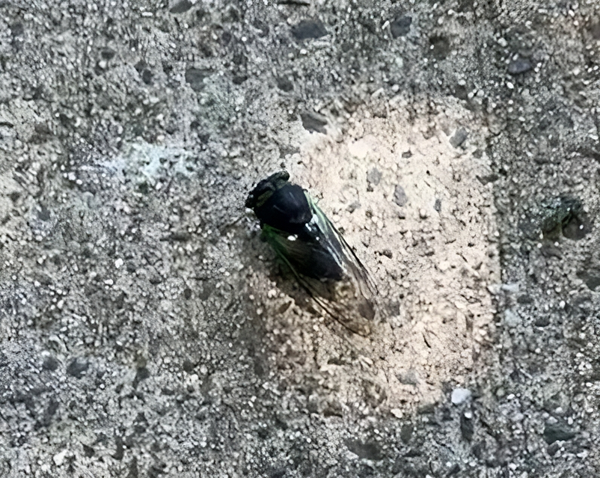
[250, 201]
[282, 175]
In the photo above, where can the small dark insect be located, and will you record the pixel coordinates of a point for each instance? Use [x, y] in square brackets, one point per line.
[559, 212]
[315, 251]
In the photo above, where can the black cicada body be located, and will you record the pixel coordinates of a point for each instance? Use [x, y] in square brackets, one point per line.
[315, 251]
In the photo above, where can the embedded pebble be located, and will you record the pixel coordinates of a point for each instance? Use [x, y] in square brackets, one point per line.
[511, 319]
[460, 395]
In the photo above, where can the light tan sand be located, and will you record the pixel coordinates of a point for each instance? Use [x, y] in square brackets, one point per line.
[442, 261]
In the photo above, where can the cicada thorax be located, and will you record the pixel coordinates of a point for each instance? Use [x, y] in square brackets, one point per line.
[285, 209]
[317, 259]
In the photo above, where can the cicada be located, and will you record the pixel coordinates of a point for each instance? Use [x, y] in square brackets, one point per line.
[306, 240]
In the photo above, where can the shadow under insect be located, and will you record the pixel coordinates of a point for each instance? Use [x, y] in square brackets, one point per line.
[318, 256]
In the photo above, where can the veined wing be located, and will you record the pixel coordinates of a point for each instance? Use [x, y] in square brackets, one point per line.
[329, 270]
[345, 255]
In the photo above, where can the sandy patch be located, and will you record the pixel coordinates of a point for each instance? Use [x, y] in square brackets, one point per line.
[418, 212]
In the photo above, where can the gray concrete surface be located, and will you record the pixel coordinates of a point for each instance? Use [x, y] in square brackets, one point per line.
[145, 330]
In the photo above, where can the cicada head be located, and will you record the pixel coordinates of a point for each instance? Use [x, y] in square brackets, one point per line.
[280, 204]
[265, 189]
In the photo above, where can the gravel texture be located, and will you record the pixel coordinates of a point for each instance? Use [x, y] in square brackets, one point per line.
[145, 329]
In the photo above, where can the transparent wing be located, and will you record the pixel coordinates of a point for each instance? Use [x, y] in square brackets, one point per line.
[350, 299]
[346, 255]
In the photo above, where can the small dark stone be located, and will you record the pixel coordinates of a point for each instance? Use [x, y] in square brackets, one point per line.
[595, 30]
[459, 137]
[407, 154]
[50, 363]
[77, 367]
[400, 26]
[467, 427]
[525, 299]
[519, 66]
[393, 307]
[454, 470]
[42, 131]
[313, 122]
[490, 178]
[413, 452]
[88, 450]
[133, 469]
[140, 65]
[147, 76]
[120, 451]
[142, 374]
[233, 14]
[178, 236]
[284, 84]
[181, 7]
[461, 92]
[333, 408]
[558, 432]
[43, 213]
[207, 289]
[195, 77]
[188, 366]
[50, 411]
[374, 176]
[409, 378]
[585, 150]
[427, 409]
[590, 277]
[308, 29]
[155, 279]
[353, 207]
[439, 46]
[387, 253]
[365, 471]
[239, 79]
[366, 450]
[107, 53]
[406, 432]
[187, 293]
[17, 29]
[438, 205]
[240, 59]
[400, 197]
[226, 38]
[542, 322]
[552, 449]
[120, 300]
[478, 449]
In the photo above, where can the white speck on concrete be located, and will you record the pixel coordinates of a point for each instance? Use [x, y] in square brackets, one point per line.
[460, 395]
